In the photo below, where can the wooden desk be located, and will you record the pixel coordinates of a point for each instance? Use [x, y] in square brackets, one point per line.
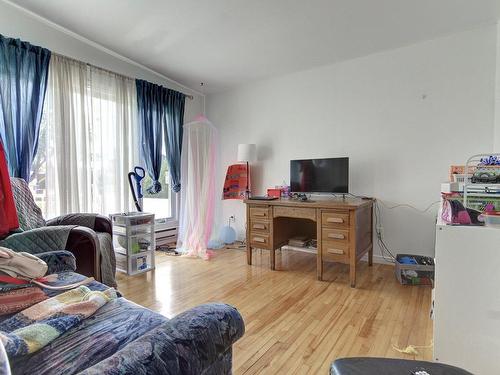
[343, 228]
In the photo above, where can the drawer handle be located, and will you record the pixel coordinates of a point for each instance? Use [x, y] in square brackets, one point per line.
[259, 226]
[334, 220]
[259, 239]
[259, 214]
[337, 236]
[332, 250]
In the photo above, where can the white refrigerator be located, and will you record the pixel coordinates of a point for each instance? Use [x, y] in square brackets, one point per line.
[467, 298]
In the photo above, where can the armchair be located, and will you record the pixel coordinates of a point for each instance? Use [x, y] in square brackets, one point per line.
[87, 236]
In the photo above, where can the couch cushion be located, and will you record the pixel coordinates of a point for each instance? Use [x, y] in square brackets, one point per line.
[29, 214]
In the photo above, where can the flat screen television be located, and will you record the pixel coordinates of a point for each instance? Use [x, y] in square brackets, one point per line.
[320, 175]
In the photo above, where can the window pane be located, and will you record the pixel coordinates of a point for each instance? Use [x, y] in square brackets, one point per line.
[159, 204]
[38, 181]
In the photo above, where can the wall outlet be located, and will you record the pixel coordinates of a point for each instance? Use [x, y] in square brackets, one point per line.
[232, 219]
[380, 232]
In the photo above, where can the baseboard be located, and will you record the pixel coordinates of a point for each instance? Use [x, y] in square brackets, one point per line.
[379, 259]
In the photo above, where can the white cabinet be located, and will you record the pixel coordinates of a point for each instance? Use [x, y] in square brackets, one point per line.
[467, 298]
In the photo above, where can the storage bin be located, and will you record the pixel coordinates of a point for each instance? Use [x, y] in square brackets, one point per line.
[121, 262]
[141, 262]
[134, 230]
[420, 273]
[134, 242]
[460, 178]
[132, 218]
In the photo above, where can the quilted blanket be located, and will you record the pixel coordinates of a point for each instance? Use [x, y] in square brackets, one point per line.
[124, 338]
[33, 328]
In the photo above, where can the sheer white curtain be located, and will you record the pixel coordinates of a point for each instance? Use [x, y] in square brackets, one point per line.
[91, 138]
[198, 174]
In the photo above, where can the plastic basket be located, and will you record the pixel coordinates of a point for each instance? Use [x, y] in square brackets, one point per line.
[415, 274]
[460, 178]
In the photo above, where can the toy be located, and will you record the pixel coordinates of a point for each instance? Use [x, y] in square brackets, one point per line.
[486, 176]
[490, 160]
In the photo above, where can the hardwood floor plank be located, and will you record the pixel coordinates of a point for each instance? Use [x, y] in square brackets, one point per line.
[295, 324]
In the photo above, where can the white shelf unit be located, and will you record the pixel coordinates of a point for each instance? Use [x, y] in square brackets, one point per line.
[466, 298]
[134, 242]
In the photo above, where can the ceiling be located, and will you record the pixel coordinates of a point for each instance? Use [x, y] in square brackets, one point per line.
[225, 43]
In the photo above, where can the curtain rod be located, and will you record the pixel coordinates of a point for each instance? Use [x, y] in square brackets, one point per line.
[191, 97]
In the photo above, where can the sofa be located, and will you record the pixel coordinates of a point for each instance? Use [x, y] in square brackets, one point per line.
[87, 236]
[125, 338]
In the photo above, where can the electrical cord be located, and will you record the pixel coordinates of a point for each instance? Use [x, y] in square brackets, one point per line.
[395, 206]
[408, 206]
[382, 245]
[387, 254]
[350, 194]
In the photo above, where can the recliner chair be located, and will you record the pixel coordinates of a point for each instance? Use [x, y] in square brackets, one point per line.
[87, 236]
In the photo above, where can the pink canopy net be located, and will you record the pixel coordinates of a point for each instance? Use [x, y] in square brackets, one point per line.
[198, 173]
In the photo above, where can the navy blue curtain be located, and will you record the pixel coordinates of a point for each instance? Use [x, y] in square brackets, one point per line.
[23, 82]
[150, 106]
[173, 135]
[160, 109]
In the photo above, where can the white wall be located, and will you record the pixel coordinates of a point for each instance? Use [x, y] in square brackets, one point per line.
[496, 137]
[401, 116]
[16, 23]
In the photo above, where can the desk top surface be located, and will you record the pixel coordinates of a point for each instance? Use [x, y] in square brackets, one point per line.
[348, 203]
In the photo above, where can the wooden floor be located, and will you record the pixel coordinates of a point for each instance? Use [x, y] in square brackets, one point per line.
[294, 323]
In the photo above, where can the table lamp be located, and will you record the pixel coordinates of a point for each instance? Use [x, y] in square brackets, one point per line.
[247, 153]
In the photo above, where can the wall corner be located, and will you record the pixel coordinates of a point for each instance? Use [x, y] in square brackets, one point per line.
[496, 125]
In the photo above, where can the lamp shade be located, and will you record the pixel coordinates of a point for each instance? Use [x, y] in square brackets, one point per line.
[247, 152]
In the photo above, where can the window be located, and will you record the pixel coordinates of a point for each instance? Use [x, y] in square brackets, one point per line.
[88, 143]
[37, 181]
[162, 204]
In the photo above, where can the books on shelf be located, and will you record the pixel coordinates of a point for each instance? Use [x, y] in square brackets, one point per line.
[302, 244]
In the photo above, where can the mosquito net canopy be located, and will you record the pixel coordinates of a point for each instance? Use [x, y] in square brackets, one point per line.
[198, 173]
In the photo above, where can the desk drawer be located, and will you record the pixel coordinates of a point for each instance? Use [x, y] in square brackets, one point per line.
[259, 226]
[259, 240]
[335, 234]
[335, 251]
[335, 219]
[295, 212]
[259, 212]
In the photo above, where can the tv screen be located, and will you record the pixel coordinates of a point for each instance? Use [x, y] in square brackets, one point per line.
[320, 175]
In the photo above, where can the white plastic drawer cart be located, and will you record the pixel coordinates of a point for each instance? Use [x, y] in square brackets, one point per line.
[134, 242]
